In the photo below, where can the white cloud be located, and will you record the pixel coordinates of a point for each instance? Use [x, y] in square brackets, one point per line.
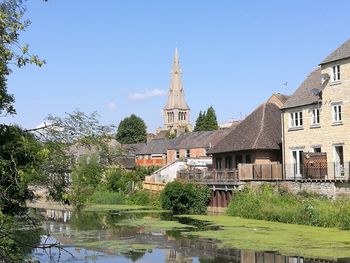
[147, 94]
[111, 106]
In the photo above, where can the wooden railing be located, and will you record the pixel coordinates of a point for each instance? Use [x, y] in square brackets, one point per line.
[245, 172]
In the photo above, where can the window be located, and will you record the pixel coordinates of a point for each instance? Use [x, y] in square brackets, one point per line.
[188, 153]
[177, 154]
[296, 119]
[297, 161]
[336, 113]
[336, 73]
[248, 159]
[218, 163]
[238, 160]
[317, 149]
[228, 162]
[338, 160]
[315, 117]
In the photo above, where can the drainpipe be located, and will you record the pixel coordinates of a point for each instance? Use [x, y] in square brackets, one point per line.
[283, 148]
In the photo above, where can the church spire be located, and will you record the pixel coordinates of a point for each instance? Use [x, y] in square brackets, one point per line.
[176, 95]
[176, 112]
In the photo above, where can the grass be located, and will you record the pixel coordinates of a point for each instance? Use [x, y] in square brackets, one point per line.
[116, 207]
[287, 239]
[277, 204]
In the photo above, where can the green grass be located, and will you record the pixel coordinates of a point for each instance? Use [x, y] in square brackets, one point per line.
[287, 239]
[109, 207]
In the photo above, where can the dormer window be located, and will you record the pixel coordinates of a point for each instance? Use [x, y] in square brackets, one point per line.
[336, 73]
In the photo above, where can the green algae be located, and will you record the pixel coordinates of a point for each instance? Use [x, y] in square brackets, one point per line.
[287, 239]
[151, 224]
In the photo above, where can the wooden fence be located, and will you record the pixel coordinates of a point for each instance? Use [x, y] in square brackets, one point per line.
[257, 172]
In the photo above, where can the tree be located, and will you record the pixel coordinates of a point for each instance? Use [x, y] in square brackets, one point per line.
[200, 122]
[211, 123]
[207, 121]
[132, 130]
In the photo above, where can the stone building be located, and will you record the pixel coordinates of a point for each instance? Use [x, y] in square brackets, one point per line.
[176, 113]
[316, 121]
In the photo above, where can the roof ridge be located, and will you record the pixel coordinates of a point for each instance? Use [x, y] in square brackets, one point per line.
[261, 126]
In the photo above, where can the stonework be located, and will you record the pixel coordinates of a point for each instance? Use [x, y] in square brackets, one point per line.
[328, 134]
[176, 113]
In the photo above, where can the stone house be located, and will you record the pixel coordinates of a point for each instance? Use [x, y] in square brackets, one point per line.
[257, 139]
[315, 121]
[194, 144]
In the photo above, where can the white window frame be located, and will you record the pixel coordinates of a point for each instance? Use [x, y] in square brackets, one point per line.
[188, 153]
[336, 73]
[177, 154]
[315, 116]
[337, 112]
[296, 119]
[295, 160]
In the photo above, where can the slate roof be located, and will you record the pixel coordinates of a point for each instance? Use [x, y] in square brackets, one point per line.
[156, 146]
[134, 148]
[202, 139]
[260, 130]
[305, 94]
[340, 53]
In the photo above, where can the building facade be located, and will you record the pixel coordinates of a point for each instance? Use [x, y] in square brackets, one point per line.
[316, 121]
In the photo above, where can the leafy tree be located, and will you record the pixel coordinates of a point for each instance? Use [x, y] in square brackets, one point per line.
[86, 176]
[132, 130]
[207, 121]
[171, 134]
[185, 198]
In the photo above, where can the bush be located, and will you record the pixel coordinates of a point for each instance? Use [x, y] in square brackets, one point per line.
[140, 198]
[185, 198]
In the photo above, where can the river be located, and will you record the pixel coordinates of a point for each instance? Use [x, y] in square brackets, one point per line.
[141, 236]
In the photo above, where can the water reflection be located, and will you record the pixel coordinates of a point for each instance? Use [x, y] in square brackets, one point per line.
[112, 237]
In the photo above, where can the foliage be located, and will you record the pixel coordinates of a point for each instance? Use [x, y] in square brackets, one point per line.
[86, 176]
[277, 204]
[144, 198]
[20, 159]
[171, 134]
[102, 196]
[12, 23]
[185, 198]
[207, 120]
[132, 129]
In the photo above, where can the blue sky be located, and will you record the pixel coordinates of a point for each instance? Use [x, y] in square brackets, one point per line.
[115, 57]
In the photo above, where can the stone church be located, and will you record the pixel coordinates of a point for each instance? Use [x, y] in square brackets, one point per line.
[176, 112]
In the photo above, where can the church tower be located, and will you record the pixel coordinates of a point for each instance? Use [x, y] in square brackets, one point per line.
[176, 112]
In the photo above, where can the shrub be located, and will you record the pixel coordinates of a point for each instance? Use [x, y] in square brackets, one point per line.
[140, 198]
[103, 196]
[185, 198]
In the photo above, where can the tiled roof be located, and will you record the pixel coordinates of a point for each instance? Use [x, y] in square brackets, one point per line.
[340, 53]
[260, 130]
[307, 92]
[157, 146]
[202, 139]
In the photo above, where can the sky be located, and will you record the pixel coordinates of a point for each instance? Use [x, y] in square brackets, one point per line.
[115, 57]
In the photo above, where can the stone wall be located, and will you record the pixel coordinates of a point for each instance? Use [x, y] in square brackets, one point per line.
[329, 189]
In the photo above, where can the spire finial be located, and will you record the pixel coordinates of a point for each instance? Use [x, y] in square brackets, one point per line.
[176, 56]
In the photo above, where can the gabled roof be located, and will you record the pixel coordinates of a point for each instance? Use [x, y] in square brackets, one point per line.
[341, 52]
[306, 94]
[133, 148]
[201, 139]
[261, 130]
[157, 146]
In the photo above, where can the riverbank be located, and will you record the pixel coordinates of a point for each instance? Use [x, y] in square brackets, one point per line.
[278, 204]
[287, 239]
